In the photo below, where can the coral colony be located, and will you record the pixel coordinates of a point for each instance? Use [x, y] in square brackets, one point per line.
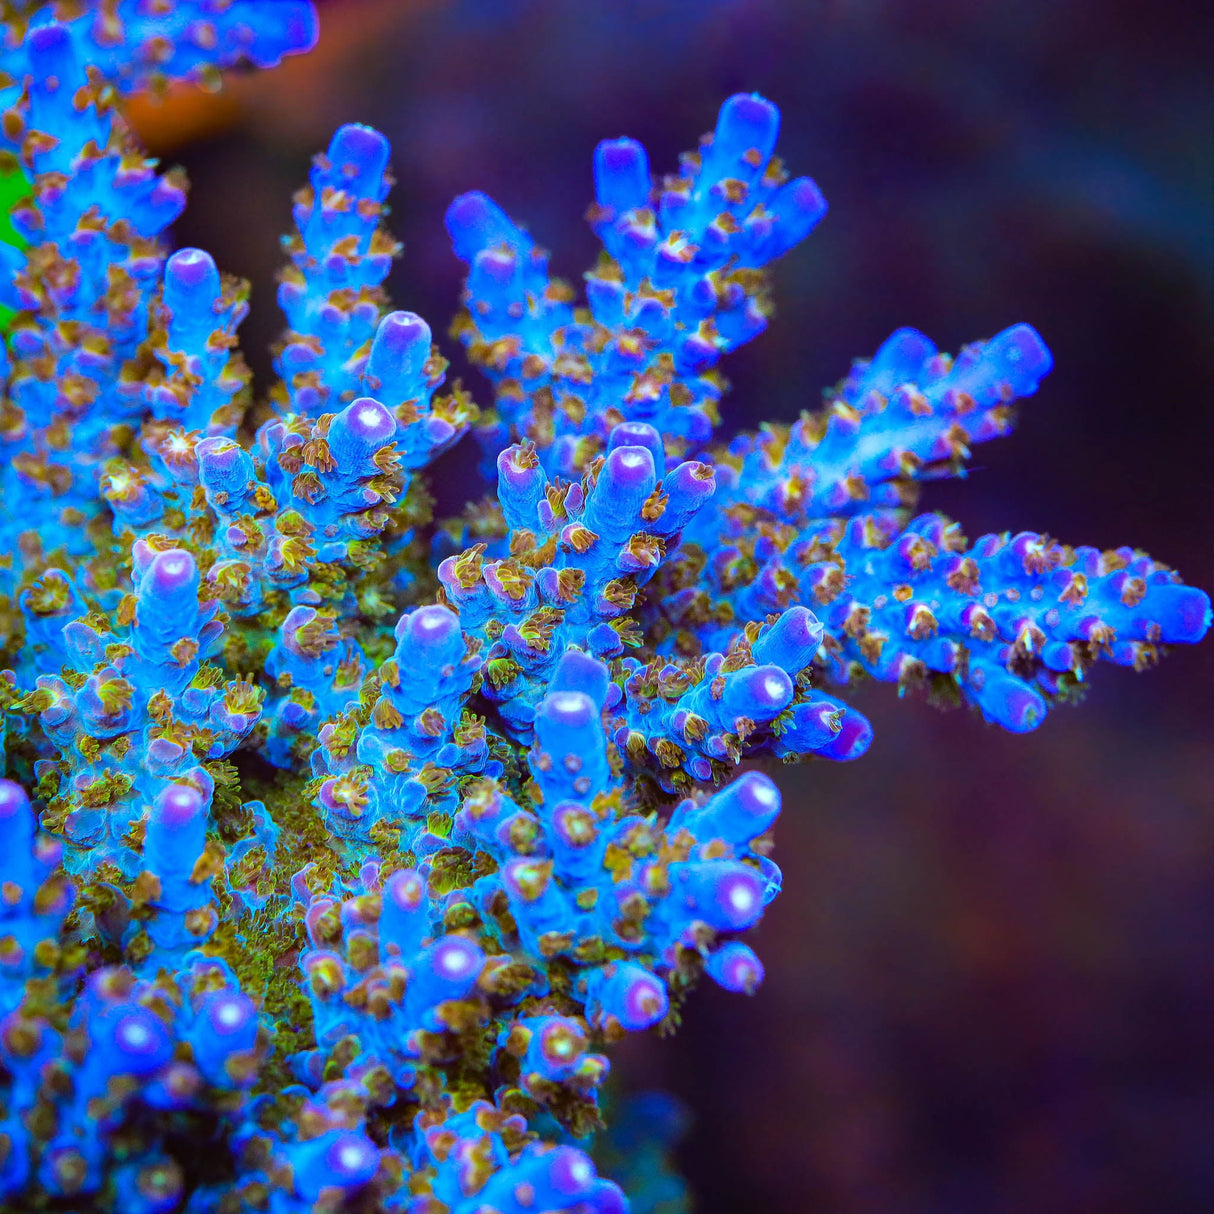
[336, 846]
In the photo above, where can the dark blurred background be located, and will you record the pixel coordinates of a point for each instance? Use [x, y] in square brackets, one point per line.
[991, 975]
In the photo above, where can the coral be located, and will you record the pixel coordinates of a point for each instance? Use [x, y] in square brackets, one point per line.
[679, 283]
[136, 45]
[133, 711]
[341, 844]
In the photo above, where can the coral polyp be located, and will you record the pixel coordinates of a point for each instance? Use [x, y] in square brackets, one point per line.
[341, 844]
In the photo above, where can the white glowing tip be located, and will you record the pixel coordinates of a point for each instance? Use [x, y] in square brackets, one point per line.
[773, 686]
[632, 457]
[580, 1171]
[765, 794]
[456, 961]
[370, 416]
[742, 897]
[173, 566]
[230, 1014]
[135, 1034]
[568, 701]
[352, 1155]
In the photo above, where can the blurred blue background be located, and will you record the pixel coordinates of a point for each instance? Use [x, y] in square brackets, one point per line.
[991, 974]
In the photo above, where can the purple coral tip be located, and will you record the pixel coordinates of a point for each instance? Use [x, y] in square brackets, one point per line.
[902, 355]
[431, 627]
[48, 40]
[570, 1172]
[475, 222]
[352, 1158]
[737, 898]
[792, 641]
[190, 269]
[1023, 357]
[639, 434]
[629, 466]
[1183, 613]
[230, 1014]
[141, 1041]
[456, 961]
[341, 1159]
[621, 175]
[747, 121]
[172, 572]
[735, 967]
[761, 693]
[366, 420]
[178, 806]
[401, 332]
[359, 153]
[1006, 700]
[13, 800]
[853, 739]
[218, 458]
[518, 469]
[406, 890]
[635, 997]
[807, 200]
[757, 796]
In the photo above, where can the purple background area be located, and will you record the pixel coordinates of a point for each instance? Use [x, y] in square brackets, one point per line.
[990, 975]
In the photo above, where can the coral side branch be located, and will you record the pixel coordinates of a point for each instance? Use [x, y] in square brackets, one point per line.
[1012, 623]
[680, 283]
[137, 45]
[909, 414]
[1015, 620]
[92, 224]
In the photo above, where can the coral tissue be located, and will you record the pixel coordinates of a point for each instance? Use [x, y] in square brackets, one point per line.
[339, 845]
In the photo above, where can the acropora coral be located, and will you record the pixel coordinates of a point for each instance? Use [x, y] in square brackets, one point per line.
[339, 845]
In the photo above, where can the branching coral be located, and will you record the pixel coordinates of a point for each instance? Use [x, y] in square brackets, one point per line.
[501, 819]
